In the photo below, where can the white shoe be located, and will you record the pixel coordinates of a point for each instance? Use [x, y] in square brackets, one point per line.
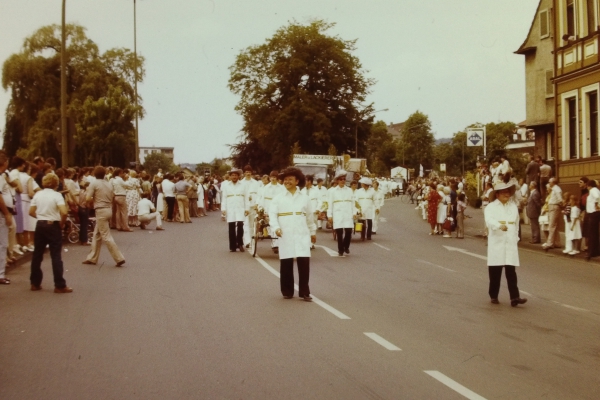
[566, 251]
[31, 248]
[572, 253]
[17, 250]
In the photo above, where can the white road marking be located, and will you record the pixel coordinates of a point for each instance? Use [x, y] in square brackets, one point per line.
[382, 341]
[321, 303]
[457, 387]
[435, 265]
[329, 251]
[382, 219]
[383, 247]
[560, 304]
[465, 252]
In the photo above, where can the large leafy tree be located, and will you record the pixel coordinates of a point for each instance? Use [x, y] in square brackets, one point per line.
[417, 142]
[100, 96]
[381, 150]
[301, 86]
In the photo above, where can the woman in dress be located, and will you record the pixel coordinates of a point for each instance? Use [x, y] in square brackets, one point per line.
[442, 210]
[433, 199]
[29, 188]
[132, 197]
[201, 209]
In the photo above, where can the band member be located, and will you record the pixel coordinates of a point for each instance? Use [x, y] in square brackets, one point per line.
[378, 200]
[252, 189]
[365, 196]
[234, 207]
[314, 196]
[341, 212]
[269, 192]
[292, 219]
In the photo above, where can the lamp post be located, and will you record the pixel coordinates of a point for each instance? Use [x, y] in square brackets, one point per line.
[135, 63]
[360, 115]
[64, 137]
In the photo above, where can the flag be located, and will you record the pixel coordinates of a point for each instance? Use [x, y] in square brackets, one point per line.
[421, 170]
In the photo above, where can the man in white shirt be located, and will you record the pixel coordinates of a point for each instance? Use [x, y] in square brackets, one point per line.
[269, 192]
[48, 206]
[365, 198]
[147, 213]
[6, 219]
[252, 187]
[322, 203]
[168, 188]
[235, 208]
[341, 212]
[291, 217]
[313, 196]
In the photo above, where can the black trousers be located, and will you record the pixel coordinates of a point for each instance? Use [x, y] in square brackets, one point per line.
[47, 234]
[286, 276]
[593, 240]
[236, 234]
[511, 280]
[367, 228]
[343, 238]
[170, 207]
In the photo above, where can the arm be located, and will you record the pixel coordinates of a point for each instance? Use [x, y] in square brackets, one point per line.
[62, 208]
[5, 212]
[491, 222]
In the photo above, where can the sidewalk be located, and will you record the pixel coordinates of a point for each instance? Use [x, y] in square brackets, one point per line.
[474, 227]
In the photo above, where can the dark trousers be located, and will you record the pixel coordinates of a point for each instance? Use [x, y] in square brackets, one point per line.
[511, 280]
[236, 234]
[367, 229]
[47, 234]
[84, 219]
[286, 276]
[343, 238]
[593, 240]
[535, 230]
[170, 207]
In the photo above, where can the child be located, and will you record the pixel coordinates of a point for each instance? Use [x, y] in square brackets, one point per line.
[461, 206]
[572, 226]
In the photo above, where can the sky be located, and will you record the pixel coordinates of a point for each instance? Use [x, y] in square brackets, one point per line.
[452, 60]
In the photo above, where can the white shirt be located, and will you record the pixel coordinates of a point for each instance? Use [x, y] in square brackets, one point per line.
[145, 206]
[6, 193]
[252, 189]
[168, 188]
[46, 202]
[269, 192]
[341, 207]
[366, 201]
[235, 202]
[556, 195]
[592, 199]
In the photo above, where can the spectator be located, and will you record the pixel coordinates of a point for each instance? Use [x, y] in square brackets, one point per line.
[533, 210]
[6, 219]
[147, 212]
[554, 204]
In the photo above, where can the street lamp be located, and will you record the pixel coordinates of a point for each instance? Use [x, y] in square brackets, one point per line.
[137, 140]
[360, 115]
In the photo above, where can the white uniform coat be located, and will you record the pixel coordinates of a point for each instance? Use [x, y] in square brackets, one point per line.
[252, 189]
[313, 196]
[235, 202]
[292, 213]
[366, 201]
[378, 199]
[269, 192]
[502, 246]
[322, 197]
[341, 207]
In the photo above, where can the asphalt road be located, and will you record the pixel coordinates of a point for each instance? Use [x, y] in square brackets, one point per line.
[405, 316]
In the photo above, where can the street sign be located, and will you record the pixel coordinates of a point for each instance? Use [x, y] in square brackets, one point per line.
[475, 137]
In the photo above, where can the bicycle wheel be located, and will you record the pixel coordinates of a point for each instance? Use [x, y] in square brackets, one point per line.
[254, 239]
[405, 198]
[73, 236]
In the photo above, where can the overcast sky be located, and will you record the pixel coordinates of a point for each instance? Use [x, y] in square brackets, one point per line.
[452, 60]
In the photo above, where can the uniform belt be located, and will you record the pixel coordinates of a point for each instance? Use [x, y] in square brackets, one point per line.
[290, 213]
[341, 201]
[504, 222]
[365, 198]
[232, 195]
[268, 198]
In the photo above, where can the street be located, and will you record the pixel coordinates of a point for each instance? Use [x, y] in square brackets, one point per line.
[404, 316]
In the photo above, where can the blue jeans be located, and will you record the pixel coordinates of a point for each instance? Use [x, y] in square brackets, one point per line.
[47, 233]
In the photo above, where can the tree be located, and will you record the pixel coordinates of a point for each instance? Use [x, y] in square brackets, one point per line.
[155, 161]
[416, 146]
[99, 89]
[301, 86]
[381, 150]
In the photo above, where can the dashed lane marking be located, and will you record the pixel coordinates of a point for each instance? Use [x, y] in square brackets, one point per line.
[435, 265]
[457, 387]
[329, 251]
[382, 341]
[383, 247]
[449, 248]
[321, 303]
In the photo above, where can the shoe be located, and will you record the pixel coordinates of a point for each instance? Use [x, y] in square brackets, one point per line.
[307, 298]
[287, 297]
[17, 250]
[242, 249]
[374, 233]
[4, 281]
[233, 251]
[447, 236]
[160, 228]
[312, 247]
[35, 288]
[65, 289]
[572, 253]
[347, 251]
[89, 262]
[120, 263]
[142, 226]
[532, 242]
[516, 302]
[495, 301]
[566, 251]
[248, 246]
[341, 254]
[85, 243]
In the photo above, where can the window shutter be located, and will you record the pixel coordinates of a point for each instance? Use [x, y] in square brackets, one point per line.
[544, 25]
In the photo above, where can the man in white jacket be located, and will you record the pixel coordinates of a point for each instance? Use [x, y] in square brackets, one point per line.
[268, 193]
[341, 212]
[502, 221]
[291, 218]
[365, 196]
[235, 208]
[252, 189]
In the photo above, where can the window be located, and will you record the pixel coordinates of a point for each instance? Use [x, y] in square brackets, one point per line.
[572, 127]
[550, 145]
[544, 24]
[549, 84]
[571, 17]
[591, 17]
[592, 98]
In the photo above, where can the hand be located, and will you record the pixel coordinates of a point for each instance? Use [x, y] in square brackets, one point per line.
[224, 213]
[330, 220]
[278, 232]
[313, 239]
[9, 219]
[246, 213]
[503, 227]
[376, 211]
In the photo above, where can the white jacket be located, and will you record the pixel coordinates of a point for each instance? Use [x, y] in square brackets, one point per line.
[252, 189]
[341, 207]
[268, 193]
[366, 201]
[502, 245]
[292, 214]
[235, 201]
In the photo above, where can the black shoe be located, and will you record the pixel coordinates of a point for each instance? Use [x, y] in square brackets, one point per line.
[495, 301]
[341, 254]
[516, 302]
[233, 251]
[307, 298]
[374, 233]
[347, 251]
[287, 297]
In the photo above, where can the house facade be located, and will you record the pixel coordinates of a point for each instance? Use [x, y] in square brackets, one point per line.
[145, 151]
[576, 83]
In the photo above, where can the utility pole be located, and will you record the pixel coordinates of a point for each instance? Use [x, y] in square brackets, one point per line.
[137, 139]
[64, 135]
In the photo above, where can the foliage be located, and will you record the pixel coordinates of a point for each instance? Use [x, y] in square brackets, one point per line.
[100, 95]
[381, 150]
[303, 86]
[417, 144]
[155, 161]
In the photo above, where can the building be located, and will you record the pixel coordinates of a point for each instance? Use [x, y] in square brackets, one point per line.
[144, 151]
[536, 135]
[396, 130]
[576, 84]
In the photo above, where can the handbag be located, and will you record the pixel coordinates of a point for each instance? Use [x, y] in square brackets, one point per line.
[447, 225]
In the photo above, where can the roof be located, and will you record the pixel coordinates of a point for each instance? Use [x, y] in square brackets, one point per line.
[526, 47]
[395, 129]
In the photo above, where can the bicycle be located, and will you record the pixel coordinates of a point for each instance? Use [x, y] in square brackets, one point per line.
[71, 230]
